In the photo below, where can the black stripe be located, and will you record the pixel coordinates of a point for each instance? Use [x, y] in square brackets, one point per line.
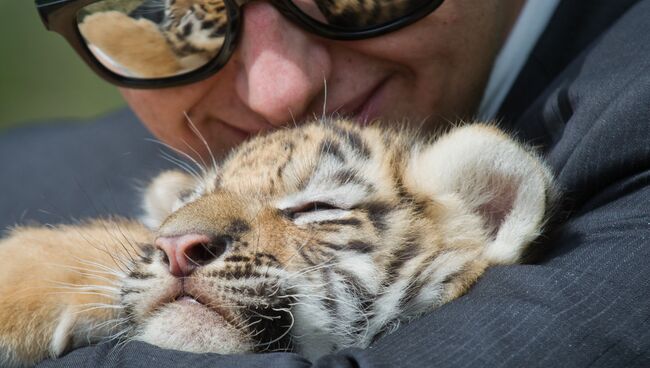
[237, 227]
[331, 245]
[330, 299]
[220, 31]
[355, 286]
[419, 280]
[412, 290]
[229, 274]
[237, 258]
[409, 250]
[140, 275]
[207, 24]
[127, 291]
[349, 176]
[356, 245]
[367, 307]
[360, 246]
[288, 147]
[187, 49]
[129, 312]
[307, 258]
[267, 331]
[266, 259]
[187, 29]
[331, 148]
[398, 160]
[454, 275]
[354, 140]
[345, 222]
[146, 257]
[362, 297]
[377, 212]
[248, 291]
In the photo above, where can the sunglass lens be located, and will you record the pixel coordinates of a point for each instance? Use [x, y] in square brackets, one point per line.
[147, 39]
[357, 15]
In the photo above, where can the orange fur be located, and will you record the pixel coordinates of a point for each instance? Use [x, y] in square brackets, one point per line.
[136, 45]
[405, 217]
[41, 270]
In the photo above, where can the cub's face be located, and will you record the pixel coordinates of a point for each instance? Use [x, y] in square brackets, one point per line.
[311, 240]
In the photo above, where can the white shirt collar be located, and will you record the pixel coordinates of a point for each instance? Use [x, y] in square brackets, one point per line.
[530, 25]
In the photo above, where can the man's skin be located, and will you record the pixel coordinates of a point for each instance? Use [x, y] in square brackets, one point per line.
[432, 71]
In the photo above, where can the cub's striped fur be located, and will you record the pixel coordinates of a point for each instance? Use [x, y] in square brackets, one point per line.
[310, 239]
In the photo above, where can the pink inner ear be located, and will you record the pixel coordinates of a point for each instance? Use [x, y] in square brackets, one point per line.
[501, 193]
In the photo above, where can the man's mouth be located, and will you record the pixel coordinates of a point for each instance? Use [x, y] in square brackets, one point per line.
[368, 105]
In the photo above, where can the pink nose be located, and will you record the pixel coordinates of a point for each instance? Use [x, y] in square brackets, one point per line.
[187, 252]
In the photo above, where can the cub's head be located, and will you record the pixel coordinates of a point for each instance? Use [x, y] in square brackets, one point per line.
[324, 236]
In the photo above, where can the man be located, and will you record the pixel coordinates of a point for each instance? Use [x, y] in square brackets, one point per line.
[433, 69]
[582, 95]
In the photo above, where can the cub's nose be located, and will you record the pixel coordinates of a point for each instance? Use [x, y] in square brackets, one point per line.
[187, 252]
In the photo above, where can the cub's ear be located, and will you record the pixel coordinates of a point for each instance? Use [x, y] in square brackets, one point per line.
[489, 174]
[164, 195]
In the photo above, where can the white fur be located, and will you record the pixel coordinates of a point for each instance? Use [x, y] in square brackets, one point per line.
[433, 294]
[480, 165]
[8, 358]
[162, 197]
[192, 328]
[312, 335]
[317, 216]
[62, 333]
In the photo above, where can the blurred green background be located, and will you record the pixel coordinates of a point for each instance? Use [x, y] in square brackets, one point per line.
[41, 78]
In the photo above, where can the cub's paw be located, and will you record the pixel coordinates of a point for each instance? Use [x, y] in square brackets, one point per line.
[130, 47]
[60, 287]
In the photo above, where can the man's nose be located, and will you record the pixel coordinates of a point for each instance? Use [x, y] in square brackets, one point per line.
[283, 68]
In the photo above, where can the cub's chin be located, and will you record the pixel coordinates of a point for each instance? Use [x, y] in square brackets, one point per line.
[190, 326]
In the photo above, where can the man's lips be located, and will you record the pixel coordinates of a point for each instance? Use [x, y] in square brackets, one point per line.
[365, 107]
[235, 133]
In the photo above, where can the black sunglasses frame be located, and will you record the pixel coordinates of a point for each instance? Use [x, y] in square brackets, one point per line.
[60, 16]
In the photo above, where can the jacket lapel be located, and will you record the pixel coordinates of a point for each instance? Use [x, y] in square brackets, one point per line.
[575, 24]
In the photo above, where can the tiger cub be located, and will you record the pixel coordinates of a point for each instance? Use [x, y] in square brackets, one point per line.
[309, 240]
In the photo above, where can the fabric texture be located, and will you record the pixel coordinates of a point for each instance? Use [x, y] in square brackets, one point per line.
[50, 170]
[533, 19]
[573, 27]
[584, 303]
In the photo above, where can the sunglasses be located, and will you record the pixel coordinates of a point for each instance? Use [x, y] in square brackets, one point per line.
[165, 43]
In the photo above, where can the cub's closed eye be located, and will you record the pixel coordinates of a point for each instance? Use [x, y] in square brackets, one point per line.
[309, 207]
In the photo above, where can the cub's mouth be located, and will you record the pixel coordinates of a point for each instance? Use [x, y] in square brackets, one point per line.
[207, 303]
[267, 326]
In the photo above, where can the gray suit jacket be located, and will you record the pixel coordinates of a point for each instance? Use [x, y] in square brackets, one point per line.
[585, 302]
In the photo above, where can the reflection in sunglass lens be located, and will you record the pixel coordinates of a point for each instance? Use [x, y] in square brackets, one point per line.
[154, 38]
[356, 15]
